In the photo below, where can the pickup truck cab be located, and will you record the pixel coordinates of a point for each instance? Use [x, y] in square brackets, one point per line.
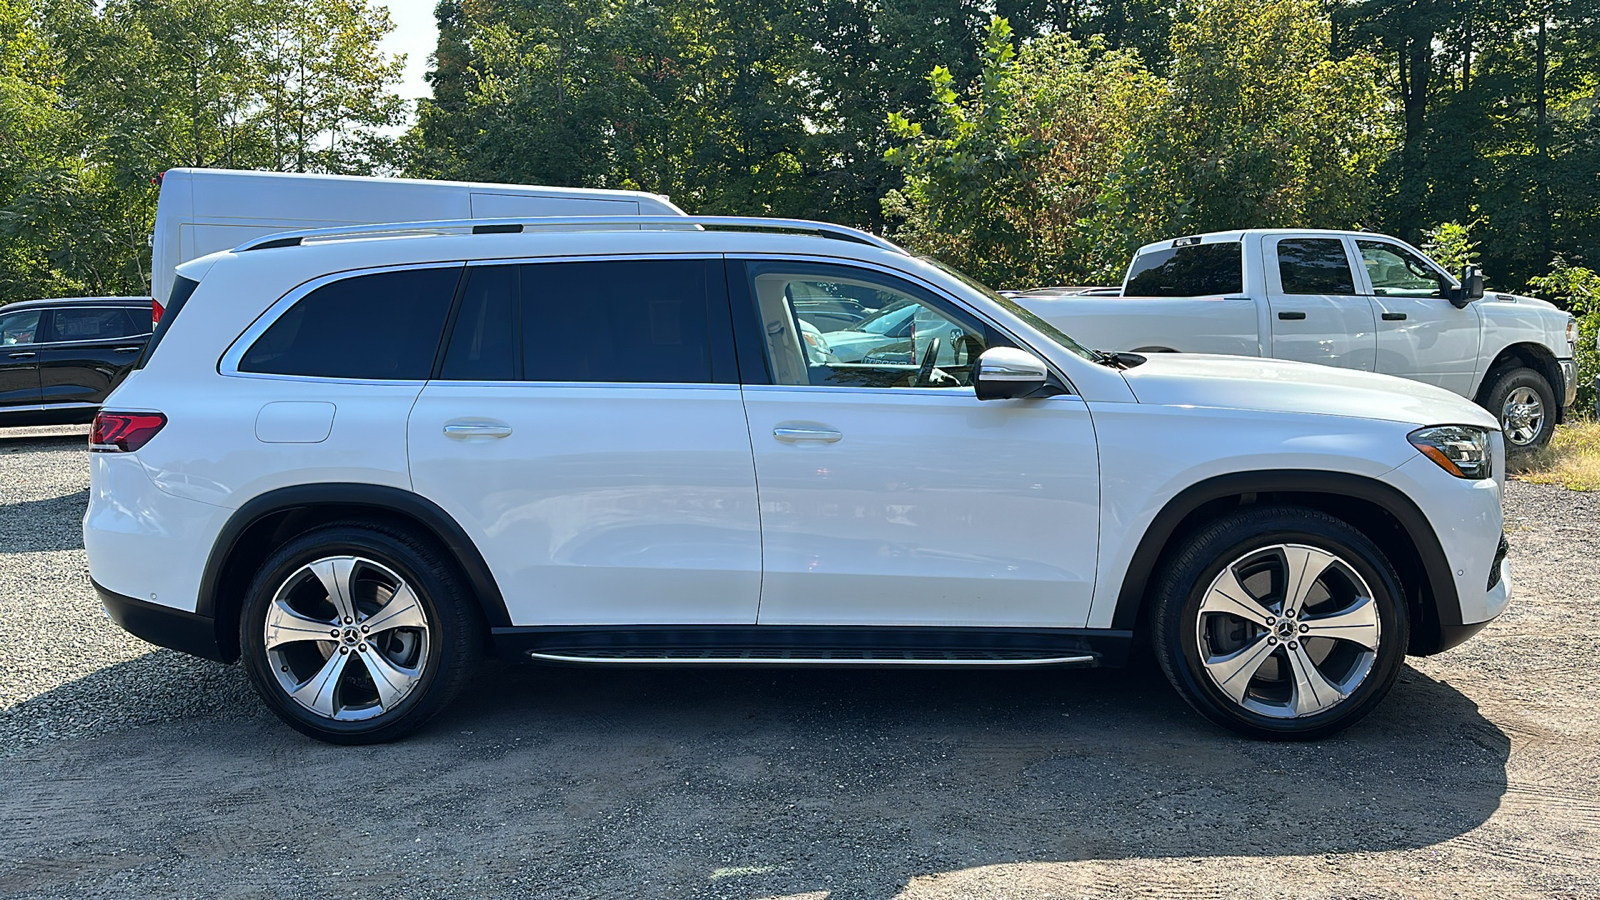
[1355, 300]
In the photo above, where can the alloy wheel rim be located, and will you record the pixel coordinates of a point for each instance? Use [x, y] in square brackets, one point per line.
[347, 638]
[1288, 631]
[1522, 416]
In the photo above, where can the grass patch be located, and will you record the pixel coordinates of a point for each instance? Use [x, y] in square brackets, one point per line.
[1572, 459]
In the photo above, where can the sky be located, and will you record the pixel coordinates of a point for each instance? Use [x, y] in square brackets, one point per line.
[415, 34]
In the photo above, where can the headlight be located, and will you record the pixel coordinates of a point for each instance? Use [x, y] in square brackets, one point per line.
[1572, 331]
[1461, 450]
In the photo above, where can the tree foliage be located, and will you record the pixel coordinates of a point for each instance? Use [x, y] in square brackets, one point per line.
[100, 98]
[1069, 155]
[1017, 182]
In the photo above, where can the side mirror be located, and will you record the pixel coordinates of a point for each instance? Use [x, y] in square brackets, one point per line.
[1006, 373]
[1471, 288]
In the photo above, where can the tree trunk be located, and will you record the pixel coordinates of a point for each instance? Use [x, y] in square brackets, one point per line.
[1541, 65]
[1416, 61]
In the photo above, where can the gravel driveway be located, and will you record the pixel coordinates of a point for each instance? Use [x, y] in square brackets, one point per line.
[131, 771]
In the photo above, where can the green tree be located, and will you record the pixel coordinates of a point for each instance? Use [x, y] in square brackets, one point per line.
[1011, 182]
[1577, 290]
[106, 96]
[1261, 127]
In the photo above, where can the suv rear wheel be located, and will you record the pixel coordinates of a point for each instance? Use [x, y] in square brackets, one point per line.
[1281, 622]
[357, 633]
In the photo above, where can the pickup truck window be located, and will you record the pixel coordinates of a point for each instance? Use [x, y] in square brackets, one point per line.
[1314, 266]
[1397, 272]
[1195, 270]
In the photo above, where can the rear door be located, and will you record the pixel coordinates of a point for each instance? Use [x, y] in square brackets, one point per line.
[585, 427]
[1315, 310]
[86, 348]
[19, 353]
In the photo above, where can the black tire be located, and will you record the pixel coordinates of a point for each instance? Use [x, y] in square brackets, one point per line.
[1503, 384]
[1255, 541]
[428, 664]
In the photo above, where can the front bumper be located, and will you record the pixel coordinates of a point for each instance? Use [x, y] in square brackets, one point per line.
[1569, 380]
[162, 625]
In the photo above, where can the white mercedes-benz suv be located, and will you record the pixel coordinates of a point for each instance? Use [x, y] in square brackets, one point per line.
[359, 459]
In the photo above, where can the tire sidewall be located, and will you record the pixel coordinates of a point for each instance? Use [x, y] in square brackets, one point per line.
[1509, 380]
[345, 541]
[1180, 631]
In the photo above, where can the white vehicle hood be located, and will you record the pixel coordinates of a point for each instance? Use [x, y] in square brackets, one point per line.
[1273, 385]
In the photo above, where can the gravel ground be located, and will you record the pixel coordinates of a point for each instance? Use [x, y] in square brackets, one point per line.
[127, 770]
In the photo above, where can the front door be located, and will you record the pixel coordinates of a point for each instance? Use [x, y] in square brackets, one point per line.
[585, 427]
[1421, 334]
[892, 496]
[19, 359]
[1316, 313]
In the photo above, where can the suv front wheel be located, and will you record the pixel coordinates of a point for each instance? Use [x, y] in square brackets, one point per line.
[357, 633]
[1280, 622]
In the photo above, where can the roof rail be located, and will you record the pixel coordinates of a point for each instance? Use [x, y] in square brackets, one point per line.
[573, 224]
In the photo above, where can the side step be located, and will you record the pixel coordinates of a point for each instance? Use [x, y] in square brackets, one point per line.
[805, 656]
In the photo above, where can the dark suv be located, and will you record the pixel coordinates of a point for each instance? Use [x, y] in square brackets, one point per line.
[59, 358]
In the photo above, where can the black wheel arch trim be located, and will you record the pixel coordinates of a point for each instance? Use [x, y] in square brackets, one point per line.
[376, 497]
[1440, 600]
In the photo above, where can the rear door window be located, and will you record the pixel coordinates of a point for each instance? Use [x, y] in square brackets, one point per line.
[1314, 266]
[381, 326]
[643, 321]
[1193, 270]
[94, 324]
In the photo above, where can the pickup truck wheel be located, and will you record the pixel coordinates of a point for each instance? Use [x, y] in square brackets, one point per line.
[1525, 404]
[1281, 622]
[357, 633]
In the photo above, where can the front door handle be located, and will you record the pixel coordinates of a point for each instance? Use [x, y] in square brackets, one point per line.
[126, 349]
[476, 428]
[1291, 316]
[1394, 317]
[790, 434]
[25, 354]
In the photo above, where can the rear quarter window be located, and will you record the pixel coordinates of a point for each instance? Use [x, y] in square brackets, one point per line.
[1191, 271]
[381, 326]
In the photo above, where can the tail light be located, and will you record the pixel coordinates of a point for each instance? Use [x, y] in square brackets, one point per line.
[156, 309]
[124, 432]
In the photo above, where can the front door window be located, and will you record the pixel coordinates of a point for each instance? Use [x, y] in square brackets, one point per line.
[903, 337]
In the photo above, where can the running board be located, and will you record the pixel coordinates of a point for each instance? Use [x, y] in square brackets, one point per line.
[807, 656]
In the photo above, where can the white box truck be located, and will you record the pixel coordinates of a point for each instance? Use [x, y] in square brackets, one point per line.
[201, 211]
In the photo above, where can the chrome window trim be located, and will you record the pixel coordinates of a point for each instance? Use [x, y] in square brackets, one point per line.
[228, 364]
[607, 385]
[964, 305]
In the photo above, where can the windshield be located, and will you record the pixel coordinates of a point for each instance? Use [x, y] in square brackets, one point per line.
[1011, 306]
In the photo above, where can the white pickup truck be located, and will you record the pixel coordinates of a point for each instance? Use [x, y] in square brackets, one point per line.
[1352, 299]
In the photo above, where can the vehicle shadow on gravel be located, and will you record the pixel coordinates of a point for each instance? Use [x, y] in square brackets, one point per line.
[740, 783]
[19, 524]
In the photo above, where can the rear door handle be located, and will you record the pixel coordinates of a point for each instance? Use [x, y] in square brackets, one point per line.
[790, 434]
[1291, 316]
[25, 354]
[1394, 317]
[471, 428]
[127, 349]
